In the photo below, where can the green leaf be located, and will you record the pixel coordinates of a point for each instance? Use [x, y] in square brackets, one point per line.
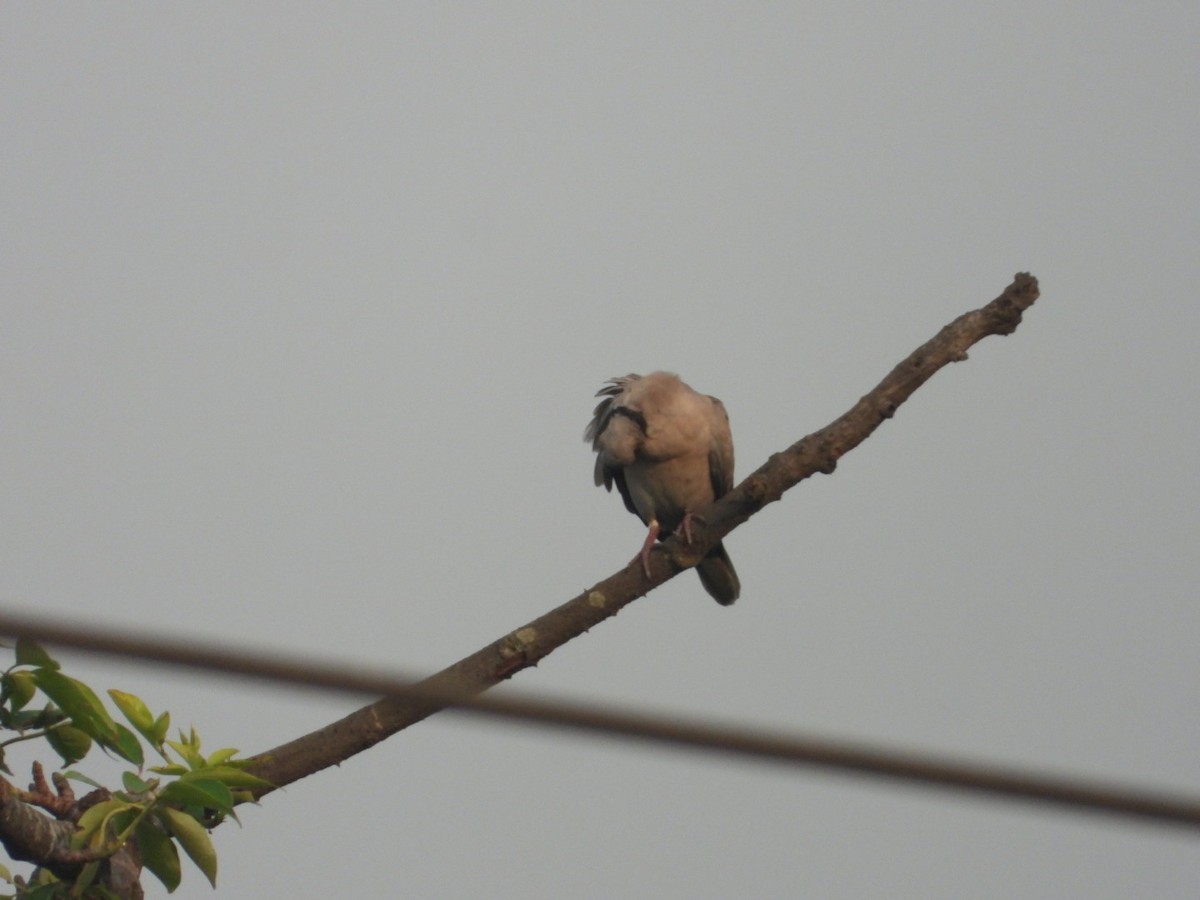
[54, 891]
[170, 770]
[217, 757]
[86, 876]
[5, 874]
[228, 775]
[159, 854]
[93, 824]
[79, 702]
[122, 822]
[69, 742]
[28, 719]
[194, 840]
[188, 752]
[135, 784]
[126, 745]
[79, 776]
[205, 794]
[19, 688]
[161, 726]
[135, 712]
[30, 653]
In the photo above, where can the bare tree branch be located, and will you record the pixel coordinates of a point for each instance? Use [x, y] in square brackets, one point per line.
[27, 834]
[30, 836]
[524, 647]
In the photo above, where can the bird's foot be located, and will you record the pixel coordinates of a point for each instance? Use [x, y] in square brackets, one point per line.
[684, 531]
[644, 555]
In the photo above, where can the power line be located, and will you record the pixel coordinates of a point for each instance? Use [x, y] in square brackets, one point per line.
[741, 742]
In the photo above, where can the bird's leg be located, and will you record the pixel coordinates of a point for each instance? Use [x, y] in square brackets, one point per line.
[684, 530]
[651, 537]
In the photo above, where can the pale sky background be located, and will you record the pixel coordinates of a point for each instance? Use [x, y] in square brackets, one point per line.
[303, 311]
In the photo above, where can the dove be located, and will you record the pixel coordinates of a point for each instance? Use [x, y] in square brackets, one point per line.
[669, 451]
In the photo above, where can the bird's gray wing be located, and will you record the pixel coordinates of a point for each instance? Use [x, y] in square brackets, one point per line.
[602, 415]
[720, 454]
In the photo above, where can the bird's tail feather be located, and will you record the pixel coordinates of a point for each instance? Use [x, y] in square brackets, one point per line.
[718, 576]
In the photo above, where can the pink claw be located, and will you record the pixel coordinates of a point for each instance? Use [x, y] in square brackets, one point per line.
[651, 537]
[685, 527]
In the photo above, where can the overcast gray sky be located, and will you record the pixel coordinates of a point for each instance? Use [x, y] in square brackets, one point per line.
[304, 308]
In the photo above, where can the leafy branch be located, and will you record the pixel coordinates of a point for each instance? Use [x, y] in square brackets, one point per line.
[82, 850]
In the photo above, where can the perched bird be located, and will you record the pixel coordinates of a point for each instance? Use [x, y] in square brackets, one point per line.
[669, 451]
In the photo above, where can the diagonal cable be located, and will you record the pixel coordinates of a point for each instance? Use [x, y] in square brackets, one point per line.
[738, 742]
